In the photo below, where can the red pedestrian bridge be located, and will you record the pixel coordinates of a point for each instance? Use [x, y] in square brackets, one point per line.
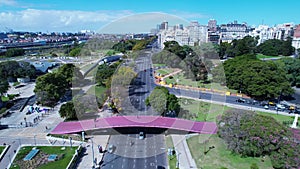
[135, 121]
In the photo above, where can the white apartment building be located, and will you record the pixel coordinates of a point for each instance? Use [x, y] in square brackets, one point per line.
[280, 32]
[194, 34]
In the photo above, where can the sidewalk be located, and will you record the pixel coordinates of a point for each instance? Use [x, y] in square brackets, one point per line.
[183, 152]
[86, 160]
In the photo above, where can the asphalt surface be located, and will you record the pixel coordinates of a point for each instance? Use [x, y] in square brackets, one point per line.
[131, 152]
[140, 88]
[215, 97]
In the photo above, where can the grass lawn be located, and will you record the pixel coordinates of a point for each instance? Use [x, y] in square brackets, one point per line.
[158, 65]
[199, 110]
[4, 99]
[10, 97]
[46, 151]
[280, 118]
[180, 79]
[2, 110]
[93, 72]
[86, 67]
[261, 56]
[219, 156]
[96, 90]
[172, 159]
[164, 71]
[1, 149]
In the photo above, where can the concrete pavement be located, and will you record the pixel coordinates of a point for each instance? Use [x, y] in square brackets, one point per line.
[86, 160]
[183, 152]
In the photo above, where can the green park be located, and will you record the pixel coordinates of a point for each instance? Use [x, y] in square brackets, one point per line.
[41, 159]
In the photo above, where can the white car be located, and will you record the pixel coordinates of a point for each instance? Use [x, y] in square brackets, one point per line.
[266, 107]
[141, 135]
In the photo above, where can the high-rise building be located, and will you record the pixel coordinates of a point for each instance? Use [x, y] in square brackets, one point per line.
[296, 37]
[164, 25]
[212, 25]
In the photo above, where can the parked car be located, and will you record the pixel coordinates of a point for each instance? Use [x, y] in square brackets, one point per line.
[266, 107]
[271, 103]
[241, 100]
[280, 107]
[263, 103]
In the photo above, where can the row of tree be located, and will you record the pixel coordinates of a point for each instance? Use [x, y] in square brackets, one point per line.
[13, 52]
[11, 70]
[133, 44]
[254, 135]
[14, 69]
[86, 106]
[248, 45]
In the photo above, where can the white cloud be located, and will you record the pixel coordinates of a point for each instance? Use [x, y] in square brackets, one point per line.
[58, 20]
[7, 2]
[103, 21]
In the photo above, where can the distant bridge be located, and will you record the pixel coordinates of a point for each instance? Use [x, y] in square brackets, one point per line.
[135, 121]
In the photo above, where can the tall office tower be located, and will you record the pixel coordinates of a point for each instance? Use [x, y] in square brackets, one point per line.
[164, 25]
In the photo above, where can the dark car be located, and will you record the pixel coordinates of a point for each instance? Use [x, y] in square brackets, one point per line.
[241, 100]
[263, 103]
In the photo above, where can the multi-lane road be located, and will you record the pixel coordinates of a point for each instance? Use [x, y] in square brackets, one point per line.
[132, 152]
[129, 150]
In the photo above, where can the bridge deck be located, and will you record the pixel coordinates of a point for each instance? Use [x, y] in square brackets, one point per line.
[135, 121]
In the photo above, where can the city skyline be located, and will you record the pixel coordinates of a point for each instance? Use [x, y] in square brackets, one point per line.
[65, 16]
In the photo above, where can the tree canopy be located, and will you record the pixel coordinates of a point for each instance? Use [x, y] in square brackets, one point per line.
[248, 45]
[239, 47]
[292, 67]
[12, 52]
[275, 47]
[50, 88]
[256, 78]
[162, 101]
[68, 111]
[14, 69]
[4, 86]
[71, 73]
[255, 135]
[104, 74]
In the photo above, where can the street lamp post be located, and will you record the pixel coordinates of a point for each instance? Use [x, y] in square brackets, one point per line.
[93, 152]
[25, 121]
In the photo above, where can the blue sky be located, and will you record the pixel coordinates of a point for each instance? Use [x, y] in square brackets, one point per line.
[67, 15]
